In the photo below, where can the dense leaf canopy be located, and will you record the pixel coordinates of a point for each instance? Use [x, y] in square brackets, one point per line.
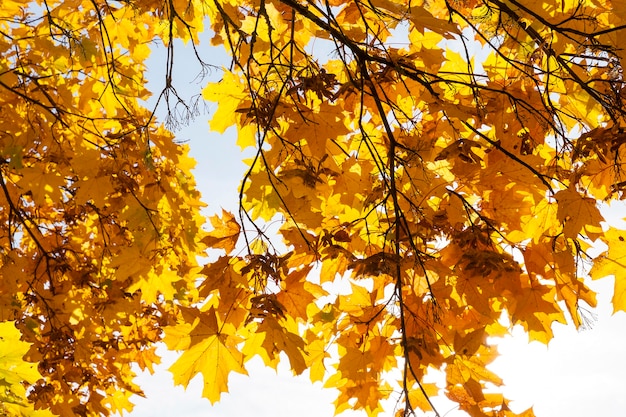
[437, 169]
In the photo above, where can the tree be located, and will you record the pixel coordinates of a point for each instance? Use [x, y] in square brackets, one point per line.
[98, 210]
[446, 160]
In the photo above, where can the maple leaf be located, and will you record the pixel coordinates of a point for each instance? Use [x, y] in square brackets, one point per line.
[210, 353]
[299, 293]
[229, 92]
[316, 354]
[225, 232]
[15, 372]
[422, 18]
[577, 213]
[419, 396]
[215, 358]
[535, 309]
[279, 338]
[613, 262]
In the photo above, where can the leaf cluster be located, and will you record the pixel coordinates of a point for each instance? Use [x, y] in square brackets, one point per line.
[441, 162]
[436, 167]
[99, 216]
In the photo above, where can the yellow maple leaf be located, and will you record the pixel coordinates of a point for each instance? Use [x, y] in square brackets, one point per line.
[577, 213]
[229, 93]
[210, 353]
[14, 373]
[215, 358]
[423, 19]
[299, 293]
[419, 396]
[280, 338]
[613, 262]
[225, 232]
[535, 308]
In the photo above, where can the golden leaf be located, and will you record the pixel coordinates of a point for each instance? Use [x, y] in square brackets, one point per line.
[577, 213]
[225, 232]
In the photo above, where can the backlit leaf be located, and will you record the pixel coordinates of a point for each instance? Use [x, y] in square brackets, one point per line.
[225, 232]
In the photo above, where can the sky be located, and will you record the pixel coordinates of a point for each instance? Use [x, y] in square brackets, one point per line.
[579, 374]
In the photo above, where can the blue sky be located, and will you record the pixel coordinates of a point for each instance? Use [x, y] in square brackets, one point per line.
[580, 374]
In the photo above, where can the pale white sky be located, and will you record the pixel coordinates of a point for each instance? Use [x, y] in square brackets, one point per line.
[580, 374]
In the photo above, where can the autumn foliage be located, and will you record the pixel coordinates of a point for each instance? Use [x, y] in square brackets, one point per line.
[437, 168]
